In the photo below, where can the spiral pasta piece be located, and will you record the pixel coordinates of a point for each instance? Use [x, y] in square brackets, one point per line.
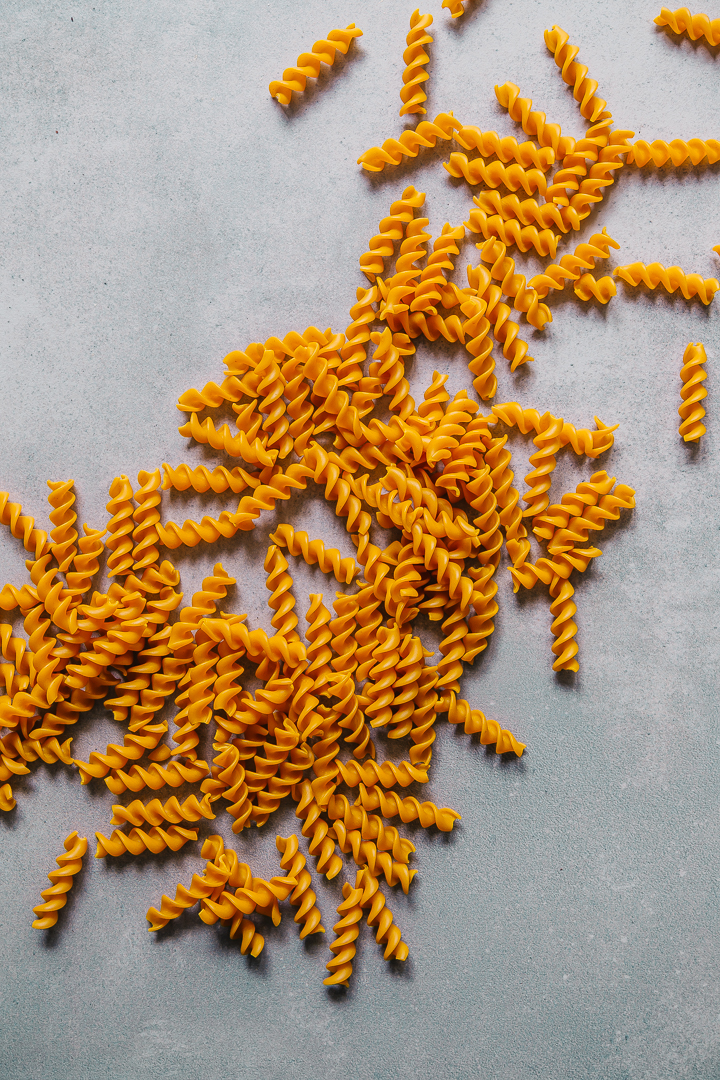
[379, 915]
[415, 59]
[7, 799]
[571, 266]
[510, 232]
[314, 552]
[563, 608]
[475, 722]
[601, 289]
[213, 880]
[308, 63]
[455, 7]
[695, 26]
[156, 776]
[676, 152]
[136, 841]
[390, 230]
[386, 773]
[672, 279]
[63, 517]
[575, 75]
[86, 562]
[494, 175]
[22, 527]
[201, 479]
[302, 896]
[525, 298]
[55, 898]
[346, 930]
[692, 375]
[147, 517]
[533, 123]
[120, 527]
[410, 143]
[154, 813]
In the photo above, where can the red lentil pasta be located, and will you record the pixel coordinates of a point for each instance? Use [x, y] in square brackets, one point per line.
[342, 724]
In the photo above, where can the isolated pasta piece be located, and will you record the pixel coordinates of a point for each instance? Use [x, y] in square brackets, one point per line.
[672, 279]
[55, 898]
[308, 63]
[415, 59]
[695, 26]
[692, 393]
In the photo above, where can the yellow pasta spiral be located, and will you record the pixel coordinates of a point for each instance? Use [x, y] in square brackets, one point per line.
[346, 930]
[696, 26]
[202, 886]
[202, 479]
[410, 143]
[86, 563]
[692, 375]
[282, 601]
[677, 152]
[302, 896]
[672, 278]
[314, 552]
[525, 298]
[415, 58]
[386, 773]
[513, 177]
[156, 777]
[379, 915]
[22, 527]
[240, 445]
[391, 229]
[7, 799]
[506, 148]
[190, 533]
[533, 123]
[571, 266]
[228, 781]
[455, 7]
[136, 744]
[475, 722]
[549, 441]
[511, 232]
[120, 527]
[70, 864]
[321, 845]
[147, 517]
[136, 841]
[308, 63]
[563, 608]
[602, 289]
[575, 75]
[155, 812]
[63, 517]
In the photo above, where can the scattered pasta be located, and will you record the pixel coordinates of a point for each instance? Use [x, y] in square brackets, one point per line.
[695, 26]
[342, 722]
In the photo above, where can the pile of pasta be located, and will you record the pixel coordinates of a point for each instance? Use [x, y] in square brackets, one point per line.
[343, 722]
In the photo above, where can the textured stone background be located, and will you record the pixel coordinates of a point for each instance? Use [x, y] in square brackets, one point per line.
[158, 209]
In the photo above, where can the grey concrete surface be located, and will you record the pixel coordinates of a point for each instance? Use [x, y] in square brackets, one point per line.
[158, 209]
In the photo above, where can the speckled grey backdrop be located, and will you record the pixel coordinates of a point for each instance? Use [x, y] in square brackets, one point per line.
[158, 209]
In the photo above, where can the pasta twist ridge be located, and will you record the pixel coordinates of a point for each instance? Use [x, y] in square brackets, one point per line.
[379, 915]
[63, 517]
[506, 148]
[391, 229]
[70, 864]
[22, 528]
[308, 63]
[86, 562]
[677, 152]
[155, 813]
[147, 518]
[346, 931]
[672, 279]
[495, 175]
[410, 143]
[314, 551]
[575, 75]
[302, 896]
[692, 375]
[202, 479]
[415, 59]
[386, 773]
[695, 26]
[533, 123]
[525, 298]
[455, 7]
[120, 527]
[137, 841]
[510, 232]
[156, 776]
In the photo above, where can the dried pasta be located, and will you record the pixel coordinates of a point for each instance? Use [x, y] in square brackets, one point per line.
[415, 59]
[692, 393]
[308, 63]
[672, 279]
[695, 26]
[55, 898]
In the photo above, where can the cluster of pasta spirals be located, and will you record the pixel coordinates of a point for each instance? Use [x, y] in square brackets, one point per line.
[338, 684]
